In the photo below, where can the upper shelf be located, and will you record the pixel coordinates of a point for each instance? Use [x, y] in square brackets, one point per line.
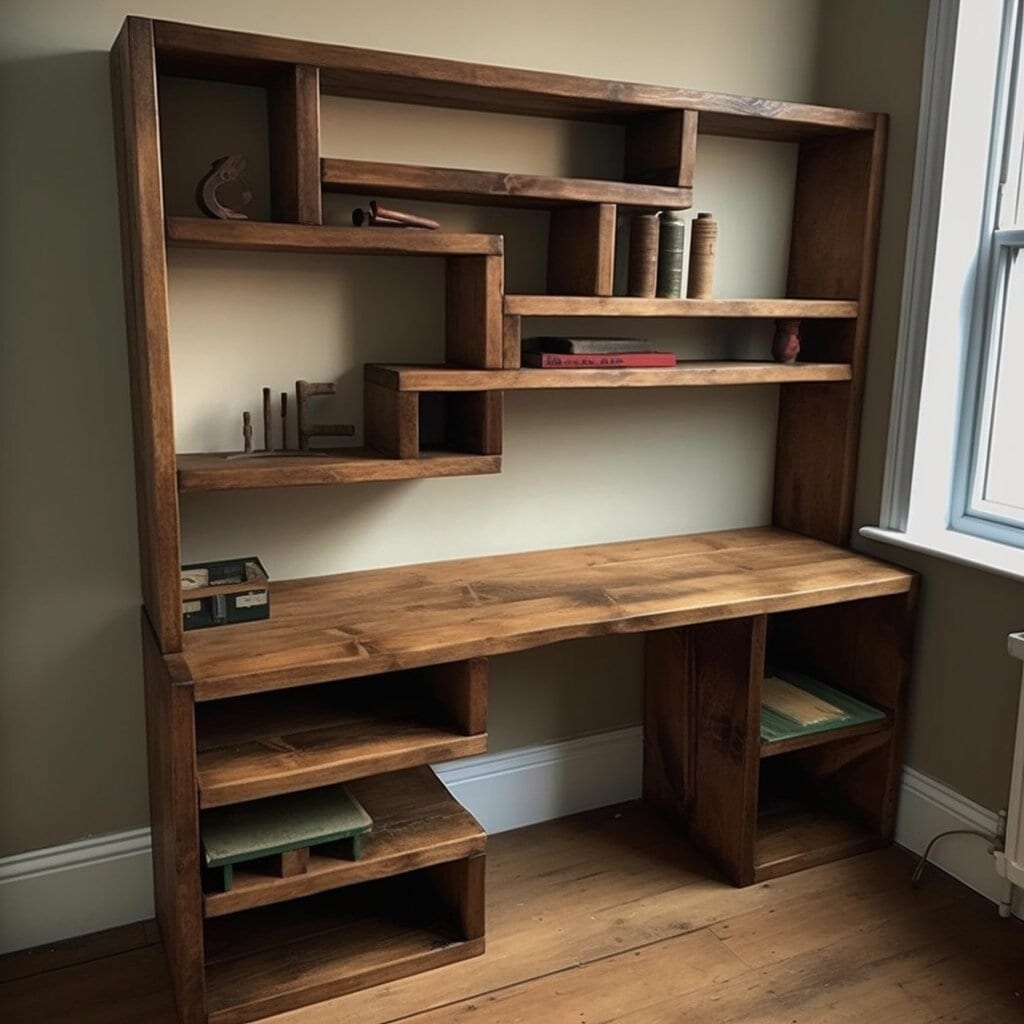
[362, 623]
[194, 51]
[685, 374]
[201, 233]
[484, 188]
[616, 305]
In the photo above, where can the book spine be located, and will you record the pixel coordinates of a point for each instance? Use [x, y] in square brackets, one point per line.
[670, 254]
[551, 361]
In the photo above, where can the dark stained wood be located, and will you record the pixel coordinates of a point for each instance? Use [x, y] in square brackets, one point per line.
[170, 738]
[474, 289]
[460, 886]
[391, 421]
[275, 743]
[416, 823]
[216, 472]
[622, 305]
[661, 148]
[256, 236]
[695, 373]
[460, 687]
[832, 256]
[293, 109]
[293, 862]
[473, 421]
[702, 710]
[144, 262]
[194, 51]
[487, 188]
[793, 837]
[362, 623]
[265, 961]
[511, 342]
[581, 250]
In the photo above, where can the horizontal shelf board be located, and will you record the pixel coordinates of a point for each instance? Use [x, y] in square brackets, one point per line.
[256, 236]
[194, 51]
[416, 823]
[792, 835]
[263, 962]
[373, 621]
[616, 305]
[485, 188]
[281, 742]
[215, 471]
[686, 374]
[780, 734]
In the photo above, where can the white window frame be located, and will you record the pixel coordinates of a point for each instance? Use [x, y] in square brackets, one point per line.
[929, 490]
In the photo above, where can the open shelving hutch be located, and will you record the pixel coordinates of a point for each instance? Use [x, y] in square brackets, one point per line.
[370, 677]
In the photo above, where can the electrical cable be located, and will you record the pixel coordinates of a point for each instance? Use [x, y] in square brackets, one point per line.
[915, 878]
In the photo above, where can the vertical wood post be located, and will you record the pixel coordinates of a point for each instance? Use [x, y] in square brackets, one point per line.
[474, 306]
[581, 250]
[144, 263]
[661, 148]
[832, 256]
[173, 808]
[702, 741]
[293, 109]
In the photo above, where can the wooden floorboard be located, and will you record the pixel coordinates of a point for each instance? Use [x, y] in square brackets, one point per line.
[612, 917]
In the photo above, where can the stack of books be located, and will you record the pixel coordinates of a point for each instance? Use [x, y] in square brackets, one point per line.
[593, 353]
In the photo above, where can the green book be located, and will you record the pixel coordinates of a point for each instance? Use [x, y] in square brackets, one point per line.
[793, 704]
[243, 832]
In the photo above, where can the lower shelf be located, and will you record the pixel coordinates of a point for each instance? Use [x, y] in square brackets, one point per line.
[266, 961]
[216, 471]
[793, 834]
[416, 823]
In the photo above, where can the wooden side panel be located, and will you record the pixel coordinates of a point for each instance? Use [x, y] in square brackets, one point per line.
[293, 106]
[864, 648]
[581, 250]
[833, 255]
[173, 808]
[474, 297]
[661, 148]
[702, 734]
[461, 687]
[473, 421]
[391, 421]
[461, 885]
[511, 342]
[144, 261]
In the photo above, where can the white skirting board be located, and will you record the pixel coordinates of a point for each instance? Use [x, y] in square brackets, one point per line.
[101, 882]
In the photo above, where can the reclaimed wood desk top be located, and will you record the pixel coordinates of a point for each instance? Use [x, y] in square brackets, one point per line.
[362, 623]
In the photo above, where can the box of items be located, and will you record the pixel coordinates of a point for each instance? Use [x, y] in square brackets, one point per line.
[218, 593]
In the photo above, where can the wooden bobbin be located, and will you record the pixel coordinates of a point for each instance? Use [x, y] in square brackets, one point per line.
[703, 249]
[643, 255]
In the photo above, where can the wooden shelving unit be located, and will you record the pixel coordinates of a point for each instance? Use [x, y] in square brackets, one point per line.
[370, 677]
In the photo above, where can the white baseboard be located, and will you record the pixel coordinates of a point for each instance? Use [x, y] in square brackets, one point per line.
[57, 893]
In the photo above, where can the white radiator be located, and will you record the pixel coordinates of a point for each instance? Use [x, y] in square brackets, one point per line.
[1010, 863]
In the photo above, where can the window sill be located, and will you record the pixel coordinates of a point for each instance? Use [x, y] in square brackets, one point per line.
[978, 553]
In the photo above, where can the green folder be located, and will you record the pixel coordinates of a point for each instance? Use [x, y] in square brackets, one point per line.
[776, 726]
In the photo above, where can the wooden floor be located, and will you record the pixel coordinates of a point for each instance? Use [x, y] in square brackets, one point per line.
[608, 916]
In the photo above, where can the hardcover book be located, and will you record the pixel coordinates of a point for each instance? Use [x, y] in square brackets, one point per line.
[587, 346]
[554, 361]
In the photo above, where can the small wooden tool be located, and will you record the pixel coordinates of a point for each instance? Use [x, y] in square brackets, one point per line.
[247, 432]
[284, 421]
[268, 421]
[304, 391]
[225, 170]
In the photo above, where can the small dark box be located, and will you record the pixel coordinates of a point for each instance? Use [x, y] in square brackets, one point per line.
[218, 593]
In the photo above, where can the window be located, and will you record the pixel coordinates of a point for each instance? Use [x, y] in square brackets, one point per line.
[954, 481]
[990, 498]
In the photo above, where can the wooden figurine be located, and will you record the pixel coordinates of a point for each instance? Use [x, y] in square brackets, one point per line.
[225, 170]
[247, 432]
[304, 391]
[786, 343]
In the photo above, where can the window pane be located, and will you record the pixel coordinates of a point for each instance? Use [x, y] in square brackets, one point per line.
[1004, 474]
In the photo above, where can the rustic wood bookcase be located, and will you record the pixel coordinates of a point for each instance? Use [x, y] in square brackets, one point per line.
[369, 677]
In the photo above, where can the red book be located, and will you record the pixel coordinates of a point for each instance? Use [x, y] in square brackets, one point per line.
[553, 361]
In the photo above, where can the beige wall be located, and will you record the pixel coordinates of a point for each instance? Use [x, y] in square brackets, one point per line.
[577, 468]
[965, 685]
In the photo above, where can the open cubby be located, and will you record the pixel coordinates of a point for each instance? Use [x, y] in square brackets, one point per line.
[265, 961]
[416, 823]
[280, 741]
